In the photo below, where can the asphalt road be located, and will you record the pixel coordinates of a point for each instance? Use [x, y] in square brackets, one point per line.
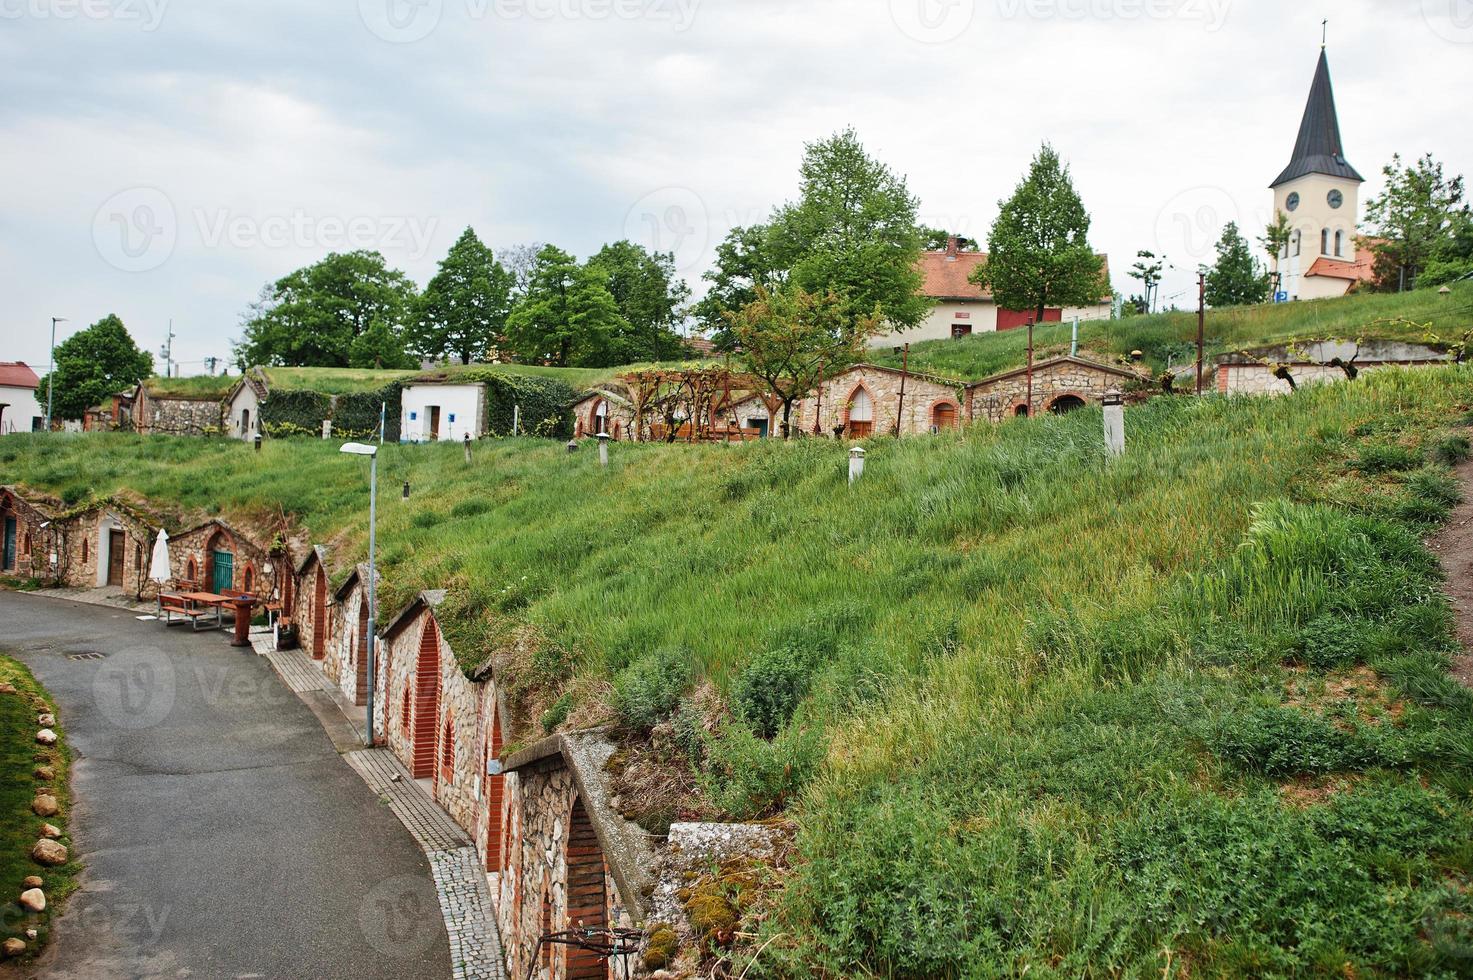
[221, 834]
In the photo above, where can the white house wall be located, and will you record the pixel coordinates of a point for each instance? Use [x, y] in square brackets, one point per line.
[460, 411]
[22, 410]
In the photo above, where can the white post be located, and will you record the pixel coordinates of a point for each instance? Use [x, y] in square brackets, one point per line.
[467, 447]
[327, 428]
[368, 660]
[516, 419]
[603, 450]
[856, 464]
[1114, 423]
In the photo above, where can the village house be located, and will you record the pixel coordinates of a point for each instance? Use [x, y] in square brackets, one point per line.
[1268, 370]
[157, 410]
[29, 535]
[1059, 385]
[869, 400]
[595, 414]
[111, 415]
[307, 607]
[216, 557]
[437, 407]
[963, 308]
[243, 406]
[20, 410]
[108, 544]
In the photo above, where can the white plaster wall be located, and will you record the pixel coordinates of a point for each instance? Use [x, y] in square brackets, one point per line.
[22, 408]
[462, 403]
[245, 400]
[1313, 215]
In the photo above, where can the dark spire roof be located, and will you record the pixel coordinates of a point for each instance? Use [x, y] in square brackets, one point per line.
[1318, 149]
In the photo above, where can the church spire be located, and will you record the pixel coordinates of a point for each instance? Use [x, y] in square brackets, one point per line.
[1318, 149]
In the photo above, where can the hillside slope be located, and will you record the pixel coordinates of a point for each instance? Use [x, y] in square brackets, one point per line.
[1171, 337]
[1029, 707]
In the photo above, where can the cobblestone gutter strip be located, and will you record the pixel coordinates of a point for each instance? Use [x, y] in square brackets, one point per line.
[460, 882]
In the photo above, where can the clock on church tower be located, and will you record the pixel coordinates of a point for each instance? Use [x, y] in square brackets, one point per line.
[1320, 192]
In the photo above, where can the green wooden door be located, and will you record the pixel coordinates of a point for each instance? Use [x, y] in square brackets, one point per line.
[224, 578]
[9, 543]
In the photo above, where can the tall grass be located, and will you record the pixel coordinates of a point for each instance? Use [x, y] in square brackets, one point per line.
[1040, 716]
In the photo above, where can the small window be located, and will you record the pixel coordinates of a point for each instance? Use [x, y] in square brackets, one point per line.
[1297, 236]
[1339, 243]
[85, 550]
[191, 570]
[248, 581]
[1324, 241]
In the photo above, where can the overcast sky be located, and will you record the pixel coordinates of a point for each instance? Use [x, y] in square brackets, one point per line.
[166, 158]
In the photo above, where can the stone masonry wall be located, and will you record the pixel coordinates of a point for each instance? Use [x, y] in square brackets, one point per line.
[1258, 379]
[178, 416]
[32, 557]
[996, 401]
[916, 416]
[84, 545]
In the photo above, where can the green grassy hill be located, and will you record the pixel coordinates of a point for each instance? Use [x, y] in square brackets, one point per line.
[1172, 337]
[1030, 708]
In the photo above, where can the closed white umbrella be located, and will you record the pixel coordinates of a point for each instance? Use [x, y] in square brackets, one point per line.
[158, 569]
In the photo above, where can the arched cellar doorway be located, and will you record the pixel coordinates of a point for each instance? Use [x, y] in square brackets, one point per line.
[319, 614]
[1065, 404]
[360, 693]
[426, 701]
[587, 897]
[861, 414]
[943, 416]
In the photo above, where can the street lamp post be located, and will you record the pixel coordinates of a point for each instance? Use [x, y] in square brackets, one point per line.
[51, 368]
[359, 449]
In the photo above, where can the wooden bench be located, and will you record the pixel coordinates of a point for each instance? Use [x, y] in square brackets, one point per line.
[173, 605]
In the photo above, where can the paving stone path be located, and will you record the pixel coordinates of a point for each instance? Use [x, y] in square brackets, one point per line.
[460, 881]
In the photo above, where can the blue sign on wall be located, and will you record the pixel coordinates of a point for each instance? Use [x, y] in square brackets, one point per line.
[452, 419]
[413, 416]
[1281, 297]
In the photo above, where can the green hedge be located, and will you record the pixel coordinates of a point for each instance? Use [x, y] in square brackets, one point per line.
[356, 416]
[294, 413]
[545, 405]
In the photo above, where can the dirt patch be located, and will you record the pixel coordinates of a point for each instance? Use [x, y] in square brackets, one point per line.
[1355, 697]
[1307, 791]
[1454, 548]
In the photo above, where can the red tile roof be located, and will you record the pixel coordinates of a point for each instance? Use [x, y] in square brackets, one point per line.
[947, 275]
[1361, 269]
[17, 374]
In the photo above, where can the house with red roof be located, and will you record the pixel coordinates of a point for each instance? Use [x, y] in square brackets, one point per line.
[964, 308]
[20, 411]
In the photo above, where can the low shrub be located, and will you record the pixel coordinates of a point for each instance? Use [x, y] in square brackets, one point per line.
[649, 689]
[1452, 450]
[1333, 642]
[558, 713]
[768, 691]
[1376, 459]
[748, 777]
[1282, 742]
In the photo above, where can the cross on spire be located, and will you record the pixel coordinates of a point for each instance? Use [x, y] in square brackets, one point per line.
[1324, 33]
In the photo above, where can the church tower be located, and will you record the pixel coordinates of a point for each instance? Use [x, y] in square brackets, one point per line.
[1320, 192]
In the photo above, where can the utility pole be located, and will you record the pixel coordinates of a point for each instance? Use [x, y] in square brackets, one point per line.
[51, 368]
[1201, 322]
[904, 373]
[168, 351]
[1030, 367]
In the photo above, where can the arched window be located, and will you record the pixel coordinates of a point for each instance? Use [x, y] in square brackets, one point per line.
[861, 414]
[1021, 411]
[85, 551]
[1324, 241]
[191, 571]
[404, 712]
[1339, 243]
[248, 579]
[600, 418]
[1065, 404]
[245, 421]
[1297, 236]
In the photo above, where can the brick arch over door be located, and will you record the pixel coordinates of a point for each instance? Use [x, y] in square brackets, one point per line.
[587, 896]
[426, 701]
[944, 413]
[360, 692]
[495, 796]
[859, 412]
[319, 614]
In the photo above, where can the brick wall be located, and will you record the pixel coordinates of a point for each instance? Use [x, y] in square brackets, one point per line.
[916, 416]
[32, 542]
[998, 400]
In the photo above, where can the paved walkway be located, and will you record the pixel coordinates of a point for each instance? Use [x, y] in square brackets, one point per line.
[221, 834]
[460, 881]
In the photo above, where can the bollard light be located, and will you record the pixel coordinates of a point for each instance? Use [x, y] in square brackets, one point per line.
[856, 464]
[603, 449]
[572, 446]
[406, 489]
[258, 442]
[467, 447]
[1115, 422]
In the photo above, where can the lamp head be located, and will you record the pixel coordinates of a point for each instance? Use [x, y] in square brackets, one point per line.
[359, 449]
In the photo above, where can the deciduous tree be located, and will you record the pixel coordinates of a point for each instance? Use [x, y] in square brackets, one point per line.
[1038, 251]
[1413, 220]
[1236, 279]
[311, 317]
[463, 311]
[91, 365]
[651, 299]
[567, 317]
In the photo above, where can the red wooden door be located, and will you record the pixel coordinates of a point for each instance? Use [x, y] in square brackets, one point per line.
[426, 701]
[361, 694]
[495, 797]
[587, 901]
[319, 616]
